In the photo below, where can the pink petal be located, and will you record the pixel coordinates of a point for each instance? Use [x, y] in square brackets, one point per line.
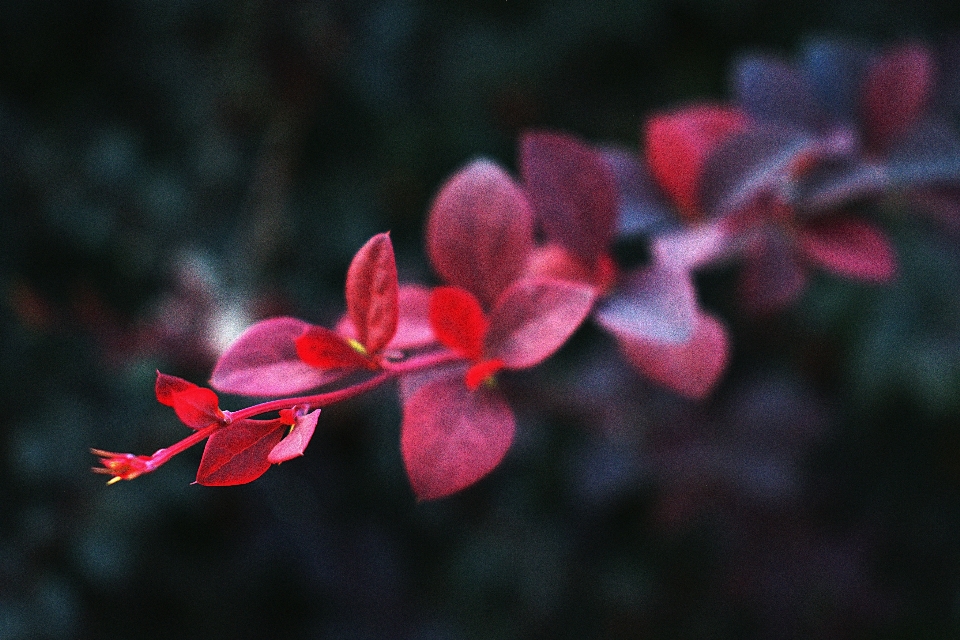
[849, 247]
[573, 191]
[237, 454]
[480, 230]
[296, 441]
[896, 92]
[451, 437]
[263, 361]
[534, 318]
[691, 368]
[372, 293]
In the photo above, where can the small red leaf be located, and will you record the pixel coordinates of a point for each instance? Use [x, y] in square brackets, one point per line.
[167, 386]
[573, 192]
[678, 145]
[481, 372]
[896, 92]
[691, 368]
[849, 247]
[480, 230]
[458, 321]
[197, 407]
[237, 454]
[319, 347]
[533, 318]
[296, 441]
[263, 361]
[452, 437]
[372, 293]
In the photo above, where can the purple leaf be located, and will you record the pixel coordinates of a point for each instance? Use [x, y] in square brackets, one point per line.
[896, 91]
[691, 368]
[534, 318]
[573, 192]
[641, 208]
[692, 247]
[296, 441]
[772, 277]
[773, 91]
[849, 247]
[451, 437]
[237, 453]
[657, 303]
[263, 361]
[835, 70]
[480, 230]
[929, 154]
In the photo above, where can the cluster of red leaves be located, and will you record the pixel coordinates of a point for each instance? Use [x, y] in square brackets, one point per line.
[766, 180]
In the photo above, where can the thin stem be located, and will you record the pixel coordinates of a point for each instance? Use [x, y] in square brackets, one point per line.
[161, 456]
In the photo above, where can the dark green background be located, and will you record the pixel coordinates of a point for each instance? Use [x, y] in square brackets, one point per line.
[170, 171]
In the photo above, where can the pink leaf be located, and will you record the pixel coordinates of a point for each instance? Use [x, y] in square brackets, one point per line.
[678, 145]
[372, 293]
[533, 318]
[413, 324]
[657, 303]
[237, 454]
[480, 230]
[896, 92]
[849, 247]
[573, 191]
[263, 361]
[451, 437]
[691, 368]
[296, 441]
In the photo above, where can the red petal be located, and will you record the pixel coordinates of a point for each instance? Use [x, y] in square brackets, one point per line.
[451, 437]
[296, 441]
[458, 321]
[263, 361]
[679, 143]
[851, 248]
[319, 347]
[692, 368]
[533, 319]
[480, 230]
[896, 92]
[573, 192]
[237, 454]
[372, 293]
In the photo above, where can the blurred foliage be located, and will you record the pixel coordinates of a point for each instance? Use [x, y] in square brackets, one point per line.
[172, 171]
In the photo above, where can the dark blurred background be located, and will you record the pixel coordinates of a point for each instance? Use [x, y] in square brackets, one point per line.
[172, 171]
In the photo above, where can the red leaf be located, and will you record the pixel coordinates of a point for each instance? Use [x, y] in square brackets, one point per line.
[413, 324]
[573, 192]
[372, 293]
[480, 230]
[319, 347]
[896, 92]
[197, 407]
[678, 145]
[263, 361]
[296, 441]
[481, 372]
[167, 386]
[458, 321]
[691, 368]
[849, 247]
[451, 437]
[533, 318]
[237, 454]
